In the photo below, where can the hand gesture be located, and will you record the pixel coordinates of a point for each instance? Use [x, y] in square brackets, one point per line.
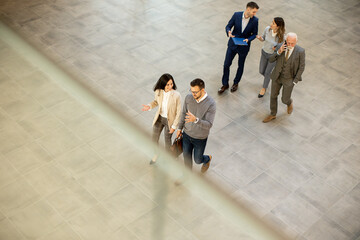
[145, 108]
[190, 117]
[259, 37]
[230, 35]
[171, 130]
[282, 48]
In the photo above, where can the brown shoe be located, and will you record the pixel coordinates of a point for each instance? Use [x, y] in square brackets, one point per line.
[290, 108]
[206, 166]
[222, 89]
[234, 88]
[269, 118]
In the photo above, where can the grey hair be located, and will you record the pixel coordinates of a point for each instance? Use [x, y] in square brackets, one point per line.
[292, 34]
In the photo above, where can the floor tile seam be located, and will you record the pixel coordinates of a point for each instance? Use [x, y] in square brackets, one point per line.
[76, 176]
[305, 198]
[321, 132]
[228, 180]
[156, 208]
[14, 226]
[328, 211]
[244, 202]
[325, 218]
[102, 199]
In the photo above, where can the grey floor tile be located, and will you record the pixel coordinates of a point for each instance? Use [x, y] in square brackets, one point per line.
[48, 178]
[319, 194]
[310, 157]
[103, 181]
[214, 227]
[237, 170]
[8, 230]
[260, 154]
[7, 172]
[71, 200]
[327, 229]
[123, 233]
[16, 196]
[59, 142]
[289, 173]
[281, 226]
[338, 175]
[235, 135]
[355, 193]
[145, 227]
[37, 220]
[95, 223]
[129, 204]
[63, 231]
[287, 140]
[181, 235]
[296, 213]
[346, 213]
[79, 161]
[28, 157]
[329, 143]
[266, 191]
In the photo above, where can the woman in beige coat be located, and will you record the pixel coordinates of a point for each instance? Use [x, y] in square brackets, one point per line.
[168, 113]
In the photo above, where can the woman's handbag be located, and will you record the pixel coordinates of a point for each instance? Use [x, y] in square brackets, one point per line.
[177, 147]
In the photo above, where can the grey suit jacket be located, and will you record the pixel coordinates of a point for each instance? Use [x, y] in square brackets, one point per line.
[297, 64]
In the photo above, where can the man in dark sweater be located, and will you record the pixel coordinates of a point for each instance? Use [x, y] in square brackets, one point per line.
[196, 119]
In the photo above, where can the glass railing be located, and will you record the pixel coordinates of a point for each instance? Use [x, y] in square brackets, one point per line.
[103, 152]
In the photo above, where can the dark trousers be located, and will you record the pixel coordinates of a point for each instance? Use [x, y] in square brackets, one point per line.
[276, 85]
[198, 146]
[230, 54]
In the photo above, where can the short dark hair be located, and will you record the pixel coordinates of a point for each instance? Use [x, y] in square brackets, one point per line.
[198, 82]
[252, 5]
[163, 80]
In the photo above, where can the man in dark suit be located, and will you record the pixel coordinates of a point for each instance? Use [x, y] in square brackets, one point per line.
[245, 26]
[290, 64]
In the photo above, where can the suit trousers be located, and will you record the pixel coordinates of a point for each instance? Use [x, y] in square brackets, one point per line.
[230, 54]
[159, 125]
[287, 85]
[266, 67]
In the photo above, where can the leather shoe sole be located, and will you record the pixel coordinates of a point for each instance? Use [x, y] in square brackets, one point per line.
[222, 89]
[269, 118]
[206, 166]
[290, 108]
[234, 88]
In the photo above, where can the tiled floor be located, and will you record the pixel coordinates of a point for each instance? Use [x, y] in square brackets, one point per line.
[300, 172]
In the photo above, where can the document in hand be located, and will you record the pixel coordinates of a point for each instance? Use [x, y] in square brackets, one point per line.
[239, 41]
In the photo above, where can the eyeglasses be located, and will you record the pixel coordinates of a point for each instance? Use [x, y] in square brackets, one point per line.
[195, 92]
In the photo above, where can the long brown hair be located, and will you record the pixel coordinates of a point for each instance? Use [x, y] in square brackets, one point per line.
[279, 21]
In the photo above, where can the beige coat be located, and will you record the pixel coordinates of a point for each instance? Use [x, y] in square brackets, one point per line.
[174, 107]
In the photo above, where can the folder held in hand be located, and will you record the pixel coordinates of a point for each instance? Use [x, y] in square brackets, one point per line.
[239, 41]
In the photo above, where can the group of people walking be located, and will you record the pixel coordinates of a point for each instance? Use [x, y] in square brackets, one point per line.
[282, 61]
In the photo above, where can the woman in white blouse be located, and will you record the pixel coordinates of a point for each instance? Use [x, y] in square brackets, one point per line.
[272, 37]
[168, 113]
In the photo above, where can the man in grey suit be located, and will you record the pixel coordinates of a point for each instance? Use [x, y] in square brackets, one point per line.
[290, 64]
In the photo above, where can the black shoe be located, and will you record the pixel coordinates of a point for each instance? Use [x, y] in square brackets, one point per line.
[222, 89]
[260, 96]
[234, 88]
